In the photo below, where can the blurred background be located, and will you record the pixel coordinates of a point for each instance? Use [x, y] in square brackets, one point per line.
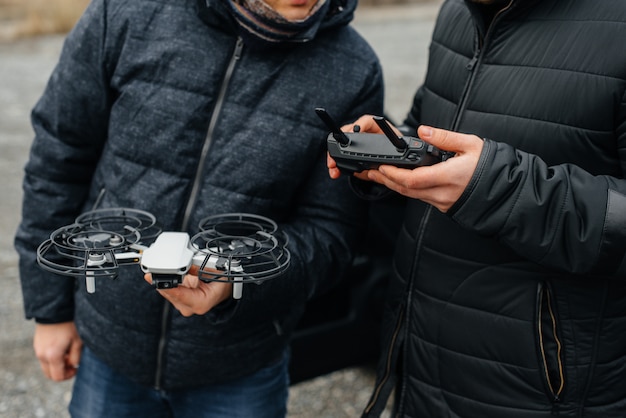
[20, 18]
[336, 346]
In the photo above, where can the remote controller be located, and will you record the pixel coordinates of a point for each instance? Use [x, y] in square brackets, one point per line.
[355, 151]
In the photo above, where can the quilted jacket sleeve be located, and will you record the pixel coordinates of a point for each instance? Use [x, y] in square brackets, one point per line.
[561, 216]
[70, 125]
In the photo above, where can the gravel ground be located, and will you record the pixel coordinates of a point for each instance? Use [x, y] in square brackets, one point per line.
[400, 35]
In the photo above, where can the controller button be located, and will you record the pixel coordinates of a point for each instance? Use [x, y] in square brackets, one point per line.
[433, 151]
[413, 156]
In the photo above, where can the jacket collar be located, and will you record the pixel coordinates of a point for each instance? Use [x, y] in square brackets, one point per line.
[483, 17]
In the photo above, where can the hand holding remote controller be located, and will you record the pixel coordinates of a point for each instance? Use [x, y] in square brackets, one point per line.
[355, 151]
[440, 185]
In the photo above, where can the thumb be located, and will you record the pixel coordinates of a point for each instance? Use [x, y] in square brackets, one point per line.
[443, 139]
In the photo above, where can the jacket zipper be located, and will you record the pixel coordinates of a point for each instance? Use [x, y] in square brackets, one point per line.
[383, 381]
[473, 64]
[550, 347]
[402, 317]
[193, 195]
[409, 297]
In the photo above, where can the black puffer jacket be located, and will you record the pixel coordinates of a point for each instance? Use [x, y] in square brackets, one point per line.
[142, 86]
[513, 305]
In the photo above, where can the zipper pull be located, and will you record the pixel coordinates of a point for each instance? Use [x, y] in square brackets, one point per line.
[238, 48]
[472, 63]
[555, 412]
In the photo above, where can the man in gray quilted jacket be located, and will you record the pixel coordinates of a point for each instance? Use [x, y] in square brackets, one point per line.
[186, 109]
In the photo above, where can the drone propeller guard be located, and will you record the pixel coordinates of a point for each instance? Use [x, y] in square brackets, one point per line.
[235, 248]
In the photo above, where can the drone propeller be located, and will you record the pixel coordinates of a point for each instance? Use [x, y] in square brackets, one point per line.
[97, 244]
[124, 221]
[243, 248]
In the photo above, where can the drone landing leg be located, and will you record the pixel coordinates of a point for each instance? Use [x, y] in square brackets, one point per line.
[238, 288]
[90, 282]
[93, 259]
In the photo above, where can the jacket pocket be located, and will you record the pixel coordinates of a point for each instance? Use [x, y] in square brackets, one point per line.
[550, 345]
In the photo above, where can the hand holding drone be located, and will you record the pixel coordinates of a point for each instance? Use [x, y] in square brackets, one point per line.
[236, 247]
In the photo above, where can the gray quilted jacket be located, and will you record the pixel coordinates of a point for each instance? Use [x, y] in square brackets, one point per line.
[153, 97]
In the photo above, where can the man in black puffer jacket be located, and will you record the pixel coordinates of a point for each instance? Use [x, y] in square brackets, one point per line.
[188, 109]
[508, 298]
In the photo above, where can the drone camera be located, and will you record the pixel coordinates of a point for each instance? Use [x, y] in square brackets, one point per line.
[166, 281]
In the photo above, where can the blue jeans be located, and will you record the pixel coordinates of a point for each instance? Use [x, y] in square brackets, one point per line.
[100, 392]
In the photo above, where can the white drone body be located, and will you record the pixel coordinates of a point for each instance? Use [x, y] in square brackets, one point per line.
[170, 257]
[233, 248]
[170, 254]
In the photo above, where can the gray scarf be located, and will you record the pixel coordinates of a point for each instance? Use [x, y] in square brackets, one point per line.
[260, 24]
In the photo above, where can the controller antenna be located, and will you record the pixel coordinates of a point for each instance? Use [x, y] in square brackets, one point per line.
[396, 140]
[338, 134]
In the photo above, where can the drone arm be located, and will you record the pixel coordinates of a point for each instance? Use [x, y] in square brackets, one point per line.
[220, 264]
[128, 257]
[203, 260]
[138, 247]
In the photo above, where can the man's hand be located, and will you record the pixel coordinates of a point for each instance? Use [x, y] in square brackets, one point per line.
[58, 348]
[193, 296]
[441, 184]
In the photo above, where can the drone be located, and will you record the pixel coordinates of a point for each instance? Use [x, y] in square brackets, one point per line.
[236, 248]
